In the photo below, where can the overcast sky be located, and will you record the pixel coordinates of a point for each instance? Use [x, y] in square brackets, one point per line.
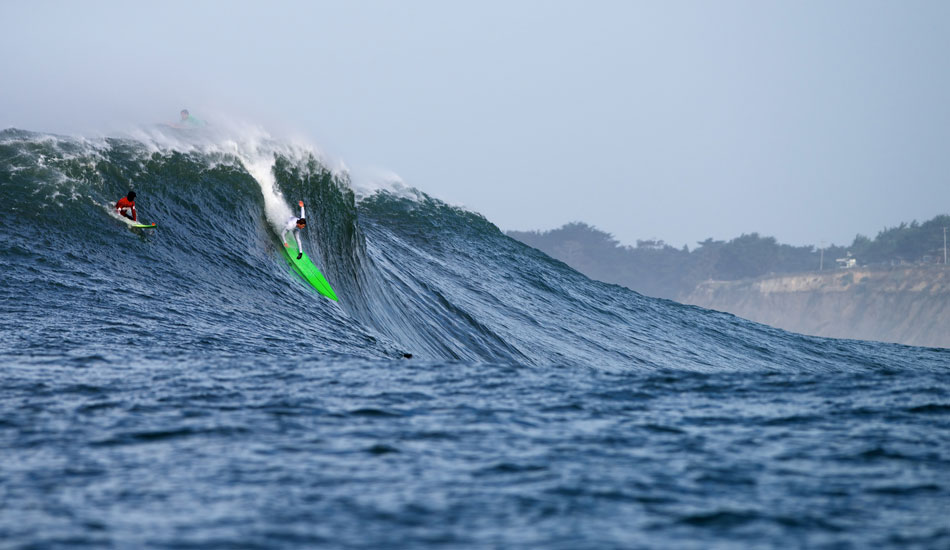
[809, 121]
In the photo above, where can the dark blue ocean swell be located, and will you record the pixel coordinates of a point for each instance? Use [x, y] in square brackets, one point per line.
[183, 388]
[344, 453]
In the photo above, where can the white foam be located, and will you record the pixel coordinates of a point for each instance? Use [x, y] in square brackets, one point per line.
[367, 182]
[253, 146]
[229, 141]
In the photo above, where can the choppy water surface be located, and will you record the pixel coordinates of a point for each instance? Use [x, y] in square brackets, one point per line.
[184, 389]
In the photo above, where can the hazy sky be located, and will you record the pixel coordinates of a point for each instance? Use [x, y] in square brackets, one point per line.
[806, 120]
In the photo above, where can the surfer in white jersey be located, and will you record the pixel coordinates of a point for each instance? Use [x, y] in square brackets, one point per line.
[295, 225]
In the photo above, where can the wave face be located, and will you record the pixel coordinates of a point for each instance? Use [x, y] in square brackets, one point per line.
[584, 414]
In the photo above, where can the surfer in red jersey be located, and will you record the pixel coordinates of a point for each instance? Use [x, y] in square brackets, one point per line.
[126, 206]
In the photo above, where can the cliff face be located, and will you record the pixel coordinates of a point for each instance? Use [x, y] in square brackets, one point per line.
[904, 305]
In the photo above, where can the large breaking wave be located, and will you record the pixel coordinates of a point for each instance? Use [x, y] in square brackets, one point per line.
[414, 275]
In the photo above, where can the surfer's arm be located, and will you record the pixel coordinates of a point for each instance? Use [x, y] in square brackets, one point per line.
[301, 209]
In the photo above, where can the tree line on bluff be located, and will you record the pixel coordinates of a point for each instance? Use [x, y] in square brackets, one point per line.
[655, 268]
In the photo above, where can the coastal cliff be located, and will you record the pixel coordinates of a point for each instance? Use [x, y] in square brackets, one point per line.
[907, 305]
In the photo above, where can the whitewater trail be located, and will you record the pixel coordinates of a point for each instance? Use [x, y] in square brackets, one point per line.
[261, 168]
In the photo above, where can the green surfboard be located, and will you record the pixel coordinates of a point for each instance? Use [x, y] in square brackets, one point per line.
[305, 268]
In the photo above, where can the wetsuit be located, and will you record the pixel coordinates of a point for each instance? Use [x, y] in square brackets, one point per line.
[192, 122]
[124, 206]
[292, 226]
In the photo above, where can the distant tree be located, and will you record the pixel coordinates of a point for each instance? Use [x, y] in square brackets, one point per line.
[657, 269]
[904, 243]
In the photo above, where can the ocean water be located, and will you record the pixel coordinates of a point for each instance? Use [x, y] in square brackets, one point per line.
[183, 388]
